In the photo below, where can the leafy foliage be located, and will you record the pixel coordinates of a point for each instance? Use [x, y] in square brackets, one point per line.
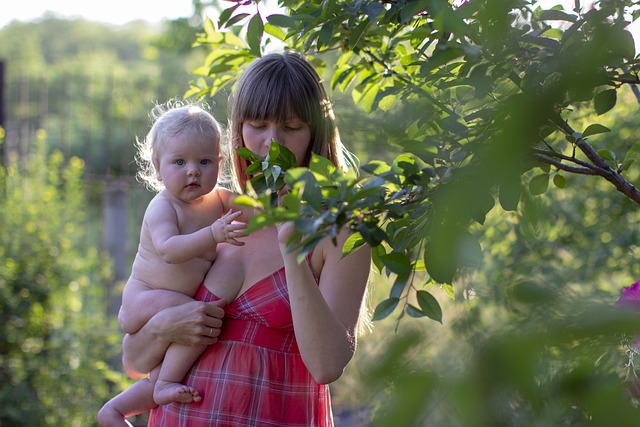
[54, 342]
[487, 91]
[499, 102]
[268, 172]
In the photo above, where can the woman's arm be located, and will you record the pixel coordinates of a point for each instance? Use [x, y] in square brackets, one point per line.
[193, 323]
[325, 316]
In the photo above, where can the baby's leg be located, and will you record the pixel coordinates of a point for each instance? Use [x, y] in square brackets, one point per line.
[177, 362]
[135, 400]
[140, 302]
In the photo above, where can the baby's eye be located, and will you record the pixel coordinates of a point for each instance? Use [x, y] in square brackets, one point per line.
[180, 162]
[205, 161]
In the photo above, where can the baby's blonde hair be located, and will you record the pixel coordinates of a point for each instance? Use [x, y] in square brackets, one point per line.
[171, 119]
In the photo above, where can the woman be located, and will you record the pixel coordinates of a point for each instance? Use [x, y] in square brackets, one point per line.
[289, 329]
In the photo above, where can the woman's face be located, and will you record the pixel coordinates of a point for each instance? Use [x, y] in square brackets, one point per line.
[293, 134]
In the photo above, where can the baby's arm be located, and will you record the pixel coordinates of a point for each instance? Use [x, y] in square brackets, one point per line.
[174, 248]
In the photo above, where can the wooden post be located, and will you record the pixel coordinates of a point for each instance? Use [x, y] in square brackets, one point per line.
[115, 216]
[3, 117]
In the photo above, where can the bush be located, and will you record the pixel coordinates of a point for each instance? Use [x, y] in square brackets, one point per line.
[55, 337]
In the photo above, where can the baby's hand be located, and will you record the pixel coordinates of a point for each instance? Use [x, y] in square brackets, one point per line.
[225, 230]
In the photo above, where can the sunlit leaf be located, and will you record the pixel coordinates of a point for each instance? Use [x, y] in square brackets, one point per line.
[595, 129]
[353, 243]
[277, 32]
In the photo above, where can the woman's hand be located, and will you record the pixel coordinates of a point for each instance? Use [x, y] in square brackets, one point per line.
[192, 323]
[286, 230]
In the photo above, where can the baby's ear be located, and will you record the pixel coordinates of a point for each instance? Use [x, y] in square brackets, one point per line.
[156, 167]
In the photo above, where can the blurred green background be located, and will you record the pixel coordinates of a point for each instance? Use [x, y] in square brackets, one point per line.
[527, 339]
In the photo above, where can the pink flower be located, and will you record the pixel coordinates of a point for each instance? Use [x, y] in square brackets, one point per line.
[630, 297]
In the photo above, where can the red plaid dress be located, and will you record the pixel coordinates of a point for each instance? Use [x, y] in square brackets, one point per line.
[254, 375]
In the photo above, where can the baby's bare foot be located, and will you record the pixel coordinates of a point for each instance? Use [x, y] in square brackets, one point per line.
[167, 392]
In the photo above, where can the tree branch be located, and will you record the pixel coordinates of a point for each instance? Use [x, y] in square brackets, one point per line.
[604, 170]
[567, 168]
[552, 153]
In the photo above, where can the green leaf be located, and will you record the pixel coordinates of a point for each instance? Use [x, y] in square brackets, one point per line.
[605, 101]
[226, 14]
[559, 181]
[449, 290]
[376, 167]
[440, 58]
[622, 42]
[607, 155]
[306, 182]
[469, 250]
[387, 102]
[325, 35]
[397, 262]
[354, 242]
[631, 156]
[595, 129]
[276, 32]
[539, 184]
[429, 306]
[254, 34]
[440, 258]
[283, 21]
[556, 15]
[322, 167]
[356, 33]
[239, 17]
[376, 253]
[414, 311]
[509, 195]
[385, 308]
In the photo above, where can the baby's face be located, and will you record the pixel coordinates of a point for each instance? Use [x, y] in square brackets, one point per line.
[188, 166]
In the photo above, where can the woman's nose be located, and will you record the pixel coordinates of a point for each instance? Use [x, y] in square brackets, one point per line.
[274, 134]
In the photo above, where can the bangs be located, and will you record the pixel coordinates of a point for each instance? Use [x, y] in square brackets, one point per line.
[278, 96]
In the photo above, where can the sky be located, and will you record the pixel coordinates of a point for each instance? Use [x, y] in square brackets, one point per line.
[115, 12]
[118, 12]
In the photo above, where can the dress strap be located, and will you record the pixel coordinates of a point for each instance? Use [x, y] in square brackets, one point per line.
[255, 333]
